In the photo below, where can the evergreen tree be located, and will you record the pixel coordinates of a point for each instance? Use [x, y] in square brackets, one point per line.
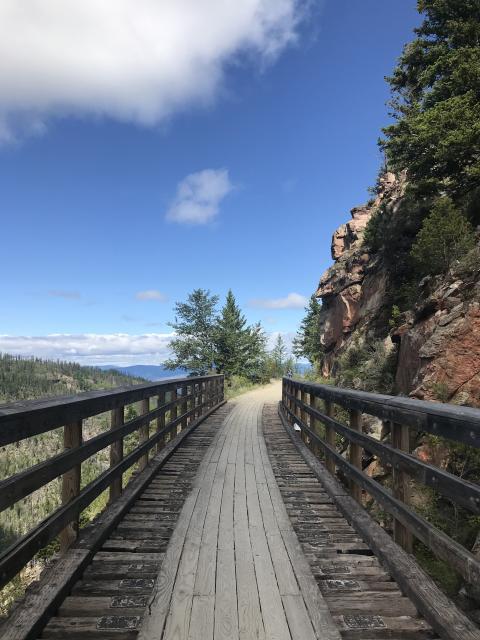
[436, 86]
[446, 235]
[240, 349]
[279, 357]
[255, 365]
[306, 343]
[195, 327]
[232, 338]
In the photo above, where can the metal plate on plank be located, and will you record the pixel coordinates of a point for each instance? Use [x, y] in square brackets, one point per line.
[118, 622]
[335, 568]
[342, 584]
[129, 602]
[137, 583]
[364, 622]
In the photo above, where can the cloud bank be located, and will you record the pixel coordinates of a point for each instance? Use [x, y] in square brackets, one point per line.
[132, 60]
[92, 348]
[199, 196]
[291, 301]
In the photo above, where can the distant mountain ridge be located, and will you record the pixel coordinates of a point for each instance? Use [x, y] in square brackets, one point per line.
[151, 372]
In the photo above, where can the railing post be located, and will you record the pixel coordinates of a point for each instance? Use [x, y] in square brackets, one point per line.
[143, 433]
[303, 415]
[314, 423]
[116, 451]
[401, 440]
[356, 453]
[296, 408]
[72, 437]
[330, 438]
[173, 411]
[161, 419]
[184, 406]
[210, 389]
[197, 400]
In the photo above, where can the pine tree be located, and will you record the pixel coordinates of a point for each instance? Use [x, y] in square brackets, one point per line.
[307, 343]
[255, 366]
[435, 86]
[232, 338]
[279, 357]
[446, 235]
[195, 327]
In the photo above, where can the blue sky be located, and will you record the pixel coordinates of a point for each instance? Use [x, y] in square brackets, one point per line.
[97, 205]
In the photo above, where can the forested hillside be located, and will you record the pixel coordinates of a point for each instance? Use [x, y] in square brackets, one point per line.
[30, 378]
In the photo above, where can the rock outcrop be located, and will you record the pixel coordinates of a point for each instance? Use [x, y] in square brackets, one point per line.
[353, 289]
[438, 340]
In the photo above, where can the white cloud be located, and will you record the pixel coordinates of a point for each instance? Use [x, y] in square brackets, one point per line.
[291, 301]
[151, 294]
[132, 60]
[199, 196]
[92, 348]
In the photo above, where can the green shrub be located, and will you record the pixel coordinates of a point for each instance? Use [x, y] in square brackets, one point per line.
[446, 235]
[395, 318]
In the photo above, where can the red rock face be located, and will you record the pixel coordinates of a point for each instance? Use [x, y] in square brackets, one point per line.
[447, 361]
[439, 344]
[350, 294]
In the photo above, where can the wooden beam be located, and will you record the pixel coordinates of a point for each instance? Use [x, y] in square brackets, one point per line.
[71, 480]
[355, 453]
[22, 484]
[184, 406]
[23, 419]
[400, 435]
[161, 398]
[330, 438]
[453, 553]
[460, 491]
[450, 421]
[174, 411]
[116, 451]
[144, 433]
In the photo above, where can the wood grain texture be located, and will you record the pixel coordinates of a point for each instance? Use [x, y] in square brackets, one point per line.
[72, 438]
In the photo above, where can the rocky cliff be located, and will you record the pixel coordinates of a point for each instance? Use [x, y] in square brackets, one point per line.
[435, 345]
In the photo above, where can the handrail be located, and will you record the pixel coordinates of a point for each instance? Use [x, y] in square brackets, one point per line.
[27, 418]
[402, 414]
[196, 397]
[453, 422]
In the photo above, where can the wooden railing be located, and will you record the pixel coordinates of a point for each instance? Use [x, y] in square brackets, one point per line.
[311, 408]
[179, 403]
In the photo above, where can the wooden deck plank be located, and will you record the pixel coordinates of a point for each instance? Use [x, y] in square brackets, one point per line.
[153, 624]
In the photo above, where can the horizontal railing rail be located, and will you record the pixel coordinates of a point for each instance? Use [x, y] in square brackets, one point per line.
[300, 402]
[180, 403]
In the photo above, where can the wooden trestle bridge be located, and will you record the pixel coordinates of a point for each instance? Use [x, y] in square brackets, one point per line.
[240, 520]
